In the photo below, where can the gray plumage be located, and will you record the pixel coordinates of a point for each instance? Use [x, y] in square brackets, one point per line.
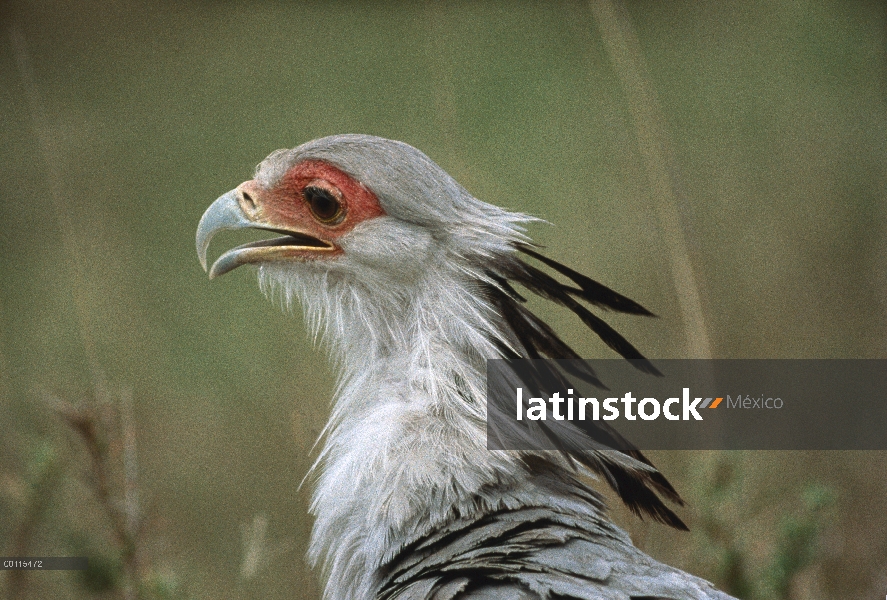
[408, 501]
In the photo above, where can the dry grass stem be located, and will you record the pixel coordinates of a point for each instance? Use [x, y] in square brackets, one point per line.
[624, 50]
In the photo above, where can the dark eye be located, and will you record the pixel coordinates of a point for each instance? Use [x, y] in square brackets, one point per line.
[323, 205]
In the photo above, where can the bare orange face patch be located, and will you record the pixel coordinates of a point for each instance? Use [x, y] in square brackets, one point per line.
[306, 198]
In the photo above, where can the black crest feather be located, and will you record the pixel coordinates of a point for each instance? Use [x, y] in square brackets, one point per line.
[639, 489]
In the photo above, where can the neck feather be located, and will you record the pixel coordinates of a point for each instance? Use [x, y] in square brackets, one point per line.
[408, 418]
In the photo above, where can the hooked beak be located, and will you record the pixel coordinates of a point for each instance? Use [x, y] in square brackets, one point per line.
[238, 210]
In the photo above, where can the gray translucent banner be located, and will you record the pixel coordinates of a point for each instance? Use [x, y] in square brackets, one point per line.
[694, 405]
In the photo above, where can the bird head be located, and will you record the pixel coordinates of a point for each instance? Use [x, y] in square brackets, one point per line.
[358, 208]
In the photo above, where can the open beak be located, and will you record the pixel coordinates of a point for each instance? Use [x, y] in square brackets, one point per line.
[235, 210]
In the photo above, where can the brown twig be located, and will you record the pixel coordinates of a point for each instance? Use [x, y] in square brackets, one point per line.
[92, 430]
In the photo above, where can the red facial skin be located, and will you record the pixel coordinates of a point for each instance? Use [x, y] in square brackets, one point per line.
[284, 206]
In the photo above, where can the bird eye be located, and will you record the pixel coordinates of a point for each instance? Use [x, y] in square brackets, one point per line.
[323, 205]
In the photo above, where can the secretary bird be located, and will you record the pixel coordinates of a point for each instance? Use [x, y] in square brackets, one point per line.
[409, 280]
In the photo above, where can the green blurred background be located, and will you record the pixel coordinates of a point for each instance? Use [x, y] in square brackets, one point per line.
[123, 120]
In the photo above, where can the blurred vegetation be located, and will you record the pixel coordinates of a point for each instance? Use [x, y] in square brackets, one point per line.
[122, 121]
